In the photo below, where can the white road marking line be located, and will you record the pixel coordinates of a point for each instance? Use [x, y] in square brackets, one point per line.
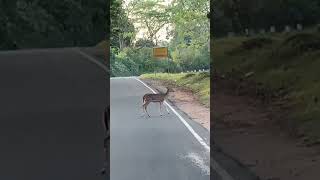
[216, 166]
[223, 173]
[93, 60]
[198, 161]
[196, 135]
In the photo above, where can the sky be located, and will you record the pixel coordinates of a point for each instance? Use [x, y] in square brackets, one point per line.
[141, 32]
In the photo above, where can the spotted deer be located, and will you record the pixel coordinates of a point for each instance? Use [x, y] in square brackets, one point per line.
[155, 98]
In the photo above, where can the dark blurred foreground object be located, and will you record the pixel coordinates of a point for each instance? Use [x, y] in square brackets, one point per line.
[15, 45]
[106, 122]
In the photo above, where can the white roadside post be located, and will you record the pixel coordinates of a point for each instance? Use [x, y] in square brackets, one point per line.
[246, 31]
[272, 29]
[299, 27]
[287, 29]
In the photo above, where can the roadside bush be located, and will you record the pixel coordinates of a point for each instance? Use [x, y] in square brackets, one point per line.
[189, 75]
[298, 44]
[204, 74]
[303, 42]
[250, 44]
[137, 61]
[254, 43]
[191, 58]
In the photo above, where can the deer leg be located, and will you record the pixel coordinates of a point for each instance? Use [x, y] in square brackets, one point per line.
[142, 109]
[160, 103]
[167, 109]
[145, 107]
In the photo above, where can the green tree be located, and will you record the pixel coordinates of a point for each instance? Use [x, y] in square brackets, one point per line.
[122, 29]
[41, 24]
[236, 15]
[191, 34]
[144, 43]
[151, 15]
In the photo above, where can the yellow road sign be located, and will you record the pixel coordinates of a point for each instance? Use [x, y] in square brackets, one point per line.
[160, 52]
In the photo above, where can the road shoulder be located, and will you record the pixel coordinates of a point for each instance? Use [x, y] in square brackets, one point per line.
[223, 166]
[185, 101]
[246, 129]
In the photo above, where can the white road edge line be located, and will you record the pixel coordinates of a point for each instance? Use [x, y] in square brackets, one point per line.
[223, 173]
[196, 135]
[91, 59]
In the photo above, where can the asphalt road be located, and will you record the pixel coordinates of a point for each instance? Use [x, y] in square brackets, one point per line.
[51, 105]
[155, 148]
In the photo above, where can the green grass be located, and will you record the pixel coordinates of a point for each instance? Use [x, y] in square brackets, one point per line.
[198, 83]
[287, 62]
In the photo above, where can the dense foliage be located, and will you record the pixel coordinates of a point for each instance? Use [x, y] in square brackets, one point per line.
[188, 37]
[237, 15]
[57, 23]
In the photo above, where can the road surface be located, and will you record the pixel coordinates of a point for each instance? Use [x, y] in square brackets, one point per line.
[52, 102]
[155, 148]
[50, 119]
[164, 147]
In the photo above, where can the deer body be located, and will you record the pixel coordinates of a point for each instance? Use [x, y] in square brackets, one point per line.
[155, 98]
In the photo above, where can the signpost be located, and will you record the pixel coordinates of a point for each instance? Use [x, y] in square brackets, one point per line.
[161, 53]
